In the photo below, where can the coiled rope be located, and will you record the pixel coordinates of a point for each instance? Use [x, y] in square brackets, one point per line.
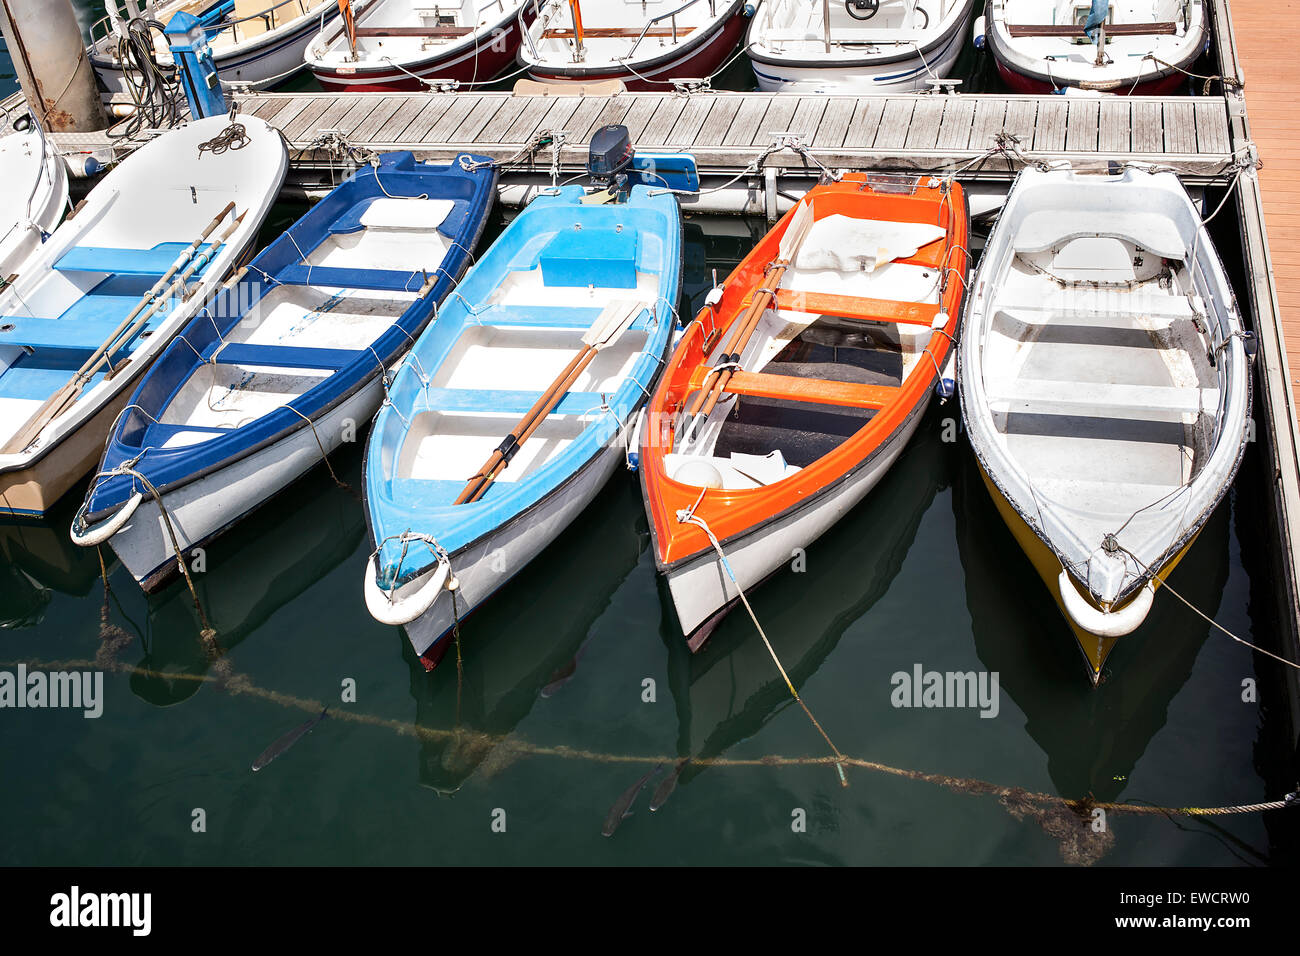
[233, 137]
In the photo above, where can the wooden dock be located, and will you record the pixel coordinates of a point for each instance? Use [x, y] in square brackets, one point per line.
[728, 131]
[1263, 125]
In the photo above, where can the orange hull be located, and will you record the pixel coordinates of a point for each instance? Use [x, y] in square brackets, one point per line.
[735, 513]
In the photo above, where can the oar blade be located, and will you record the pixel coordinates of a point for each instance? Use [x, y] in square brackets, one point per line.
[54, 407]
[613, 322]
[795, 233]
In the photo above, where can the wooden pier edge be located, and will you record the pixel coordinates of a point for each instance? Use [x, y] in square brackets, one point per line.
[1275, 404]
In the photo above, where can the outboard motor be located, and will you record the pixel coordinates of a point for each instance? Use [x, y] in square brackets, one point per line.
[615, 166]
[609, 156]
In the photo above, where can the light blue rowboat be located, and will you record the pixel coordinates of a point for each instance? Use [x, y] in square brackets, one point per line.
[517, 320]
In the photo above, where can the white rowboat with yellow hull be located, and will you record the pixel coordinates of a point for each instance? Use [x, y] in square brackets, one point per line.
[1105, 384]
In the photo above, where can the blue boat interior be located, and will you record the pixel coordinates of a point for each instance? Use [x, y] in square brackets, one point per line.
[321, 311]
[92, 290]
[521, 317]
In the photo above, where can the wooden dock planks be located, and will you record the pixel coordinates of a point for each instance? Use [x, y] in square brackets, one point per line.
[1272, 77]
[728, 131]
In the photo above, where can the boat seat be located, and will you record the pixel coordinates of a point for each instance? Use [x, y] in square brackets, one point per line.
[433, 33]
[737, 470]
[557, 318]
[35, 383]
[1127, 401]
[254, 25]
[605, 258]
[816, 390]
[1159, 28]
[81, 335]
[505, 402]
[436, 493]
[378, 280]
[1038, 313]
[1157, 234]
[283, 356]
[413, 215]
[856, 307]
[134, 262]
[850, 244]
[158, 434]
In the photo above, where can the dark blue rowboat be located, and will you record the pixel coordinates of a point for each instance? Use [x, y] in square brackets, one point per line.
[288, 363]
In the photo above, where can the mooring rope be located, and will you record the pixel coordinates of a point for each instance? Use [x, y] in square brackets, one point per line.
[1229, 82]
[233, 137]
[207, 634]
[1209, 620]
[324, 455]
[690, 517]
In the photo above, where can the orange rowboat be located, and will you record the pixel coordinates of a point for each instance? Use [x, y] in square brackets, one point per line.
[856, 315]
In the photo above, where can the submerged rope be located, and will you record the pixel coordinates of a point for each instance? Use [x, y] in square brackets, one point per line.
[1067, 820]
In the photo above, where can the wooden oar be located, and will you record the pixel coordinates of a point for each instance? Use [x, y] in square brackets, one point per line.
[149, 304]
[612, 323]
[711, 390]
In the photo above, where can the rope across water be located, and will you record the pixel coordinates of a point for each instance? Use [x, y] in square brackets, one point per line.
[1065, 819]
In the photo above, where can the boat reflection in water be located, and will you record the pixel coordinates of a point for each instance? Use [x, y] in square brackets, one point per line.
[265, 563]
[729, 690]
[37, 559]
[1092, 738]
[527, 642]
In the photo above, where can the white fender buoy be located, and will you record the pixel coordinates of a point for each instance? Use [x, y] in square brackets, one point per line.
[108, 527]
[1102, 623]
[701, 474]
[406, 610]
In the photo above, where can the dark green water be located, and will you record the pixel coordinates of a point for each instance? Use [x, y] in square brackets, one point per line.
[923, 573]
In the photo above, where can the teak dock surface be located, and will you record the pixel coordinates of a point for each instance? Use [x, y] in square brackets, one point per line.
[727, 131]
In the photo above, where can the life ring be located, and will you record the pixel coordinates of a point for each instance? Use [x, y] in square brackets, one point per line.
[397, 613]
[106, 528]
[1104, 623]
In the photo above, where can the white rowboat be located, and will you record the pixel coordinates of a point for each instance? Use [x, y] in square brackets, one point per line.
[1105, 386]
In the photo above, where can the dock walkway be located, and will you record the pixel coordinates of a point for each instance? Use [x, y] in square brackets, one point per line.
[727, 131]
